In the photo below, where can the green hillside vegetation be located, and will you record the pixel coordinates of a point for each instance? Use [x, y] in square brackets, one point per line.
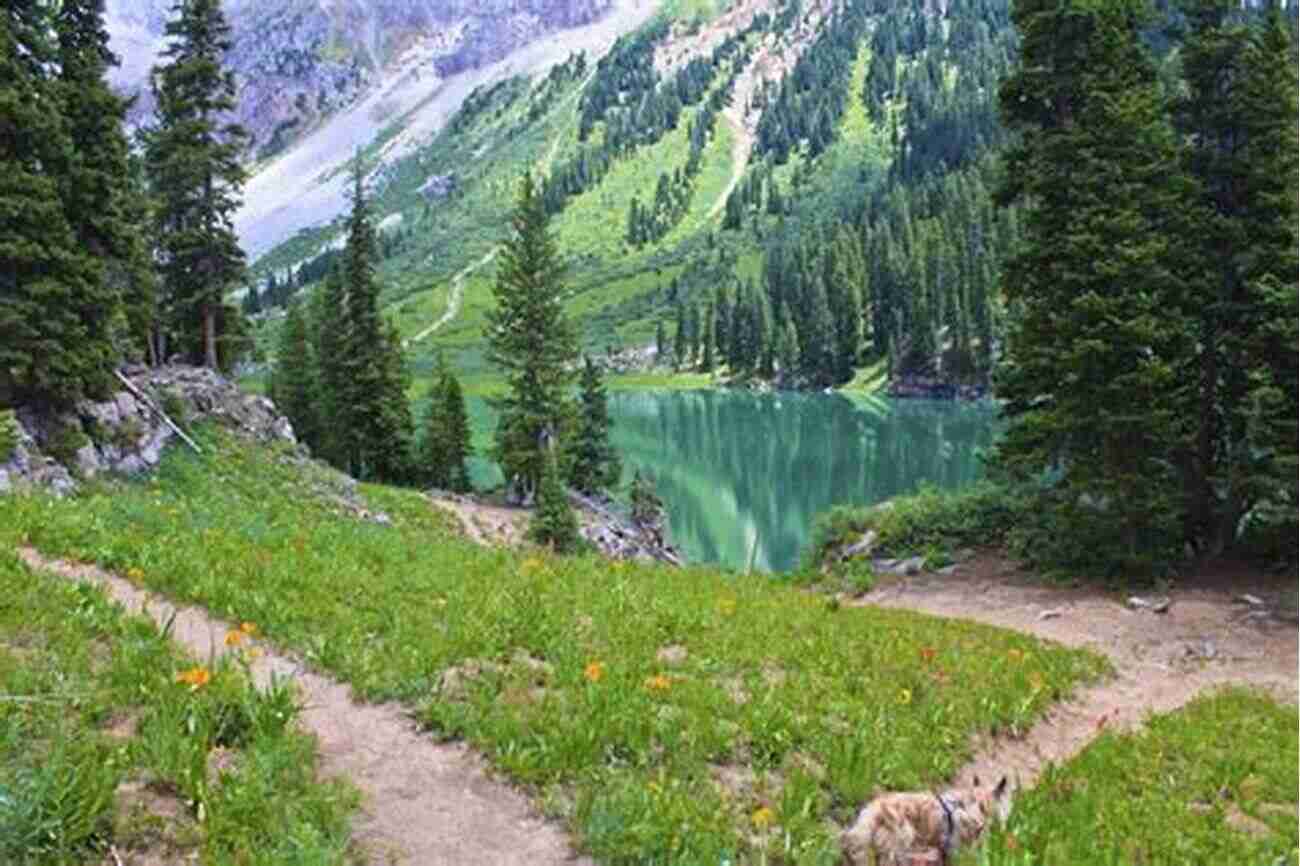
[611, 151]
[553, 667]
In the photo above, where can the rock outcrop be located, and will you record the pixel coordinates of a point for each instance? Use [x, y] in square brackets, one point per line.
[297, 60]
[126, 434]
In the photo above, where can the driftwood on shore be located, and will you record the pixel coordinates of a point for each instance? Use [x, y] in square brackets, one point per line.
[620, 537]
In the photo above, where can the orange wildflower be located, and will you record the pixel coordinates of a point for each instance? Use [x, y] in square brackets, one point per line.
[248, 628]
[658, 683]
[196, 677]
[593, 672]
[235, 637]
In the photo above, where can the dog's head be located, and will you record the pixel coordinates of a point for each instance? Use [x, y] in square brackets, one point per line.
[978, 805]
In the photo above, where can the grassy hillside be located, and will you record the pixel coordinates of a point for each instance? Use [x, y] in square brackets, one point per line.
[675, 715]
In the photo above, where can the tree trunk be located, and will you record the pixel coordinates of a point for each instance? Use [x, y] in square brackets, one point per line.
[209, 337]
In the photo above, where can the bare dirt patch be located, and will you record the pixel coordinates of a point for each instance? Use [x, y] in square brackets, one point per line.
[488, 525]
[423, 803]
[1208, 637]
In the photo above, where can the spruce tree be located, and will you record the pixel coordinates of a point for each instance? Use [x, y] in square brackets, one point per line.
[679, 336]
[446, 443]
[96, 187]
[706, 341]
[329, 325]
[532, 341]
[1091, 370]
[1239, 119]
[553, 522]
[661, 342]
[55, 345]
[294, 384]
[458, 435]
[375, 415]
[194, 162]
[593, 463]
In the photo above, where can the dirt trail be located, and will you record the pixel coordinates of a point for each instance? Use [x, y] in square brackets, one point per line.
[424, 804]
[488, 525]
[457, 298]
[740, 150]
[1162, 660]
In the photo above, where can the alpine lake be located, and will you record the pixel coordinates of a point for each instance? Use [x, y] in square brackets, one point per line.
[744, 474]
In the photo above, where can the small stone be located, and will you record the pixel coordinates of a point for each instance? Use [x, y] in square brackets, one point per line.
[1252, 600]
[1138, 603]
[1160, 605]
[1051, 613]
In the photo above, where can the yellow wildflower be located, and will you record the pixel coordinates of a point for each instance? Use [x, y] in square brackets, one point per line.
[530, 565]
[235, 637]
[904, 696]
[593, 672]
[135, 573]
[763, 817]
[658, 683]
[196, 677]
[727, 606]
[248, 628]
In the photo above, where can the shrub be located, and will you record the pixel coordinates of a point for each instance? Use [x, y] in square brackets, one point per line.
[174, 405]
[8, 434]
[64, 443]
[930, 523]
[553, 521]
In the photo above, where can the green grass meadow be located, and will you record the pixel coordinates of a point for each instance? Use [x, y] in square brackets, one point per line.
[102, 748]
[1168, 795]
[665, 715]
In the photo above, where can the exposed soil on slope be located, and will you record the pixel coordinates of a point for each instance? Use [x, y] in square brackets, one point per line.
[488, 525]
[1209, 636]
[424, 804]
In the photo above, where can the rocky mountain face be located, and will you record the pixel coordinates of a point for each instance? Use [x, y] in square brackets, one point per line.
[298, 60]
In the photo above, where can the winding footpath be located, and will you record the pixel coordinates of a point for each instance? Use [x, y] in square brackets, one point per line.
[423, 803]
[740, 150]
[429, 803]
[1208, 638]
[455, 300]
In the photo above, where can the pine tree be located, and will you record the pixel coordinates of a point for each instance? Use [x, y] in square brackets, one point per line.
[390, 452]
[661, 342]
[54, 315]
[706, 340]
[458, 435]
[1091, 370]
[1239, 117]
[446, 443]
[593, 463]
[553, 523]
[293, 380]
[531, 341]
[680, 336]
[329, 324]
[369, 377]
[193, 159]
[96, 186]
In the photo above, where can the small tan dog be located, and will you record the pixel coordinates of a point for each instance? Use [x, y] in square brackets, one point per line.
[896, 828]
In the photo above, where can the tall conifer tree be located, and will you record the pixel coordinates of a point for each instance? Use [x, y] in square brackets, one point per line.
[55, 343]
[532, 341]
[1091, 372]
[194, 159]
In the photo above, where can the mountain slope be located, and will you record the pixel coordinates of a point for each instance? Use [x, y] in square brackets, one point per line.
[753, 155]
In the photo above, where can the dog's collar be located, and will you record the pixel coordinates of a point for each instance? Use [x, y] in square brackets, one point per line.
[949, 822]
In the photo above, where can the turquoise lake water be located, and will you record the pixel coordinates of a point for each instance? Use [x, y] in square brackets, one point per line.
[736, 468]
